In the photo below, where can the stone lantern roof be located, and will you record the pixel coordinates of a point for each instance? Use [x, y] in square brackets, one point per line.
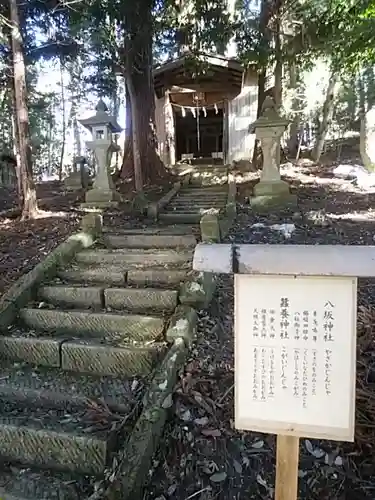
[269, 117]
[101, 117]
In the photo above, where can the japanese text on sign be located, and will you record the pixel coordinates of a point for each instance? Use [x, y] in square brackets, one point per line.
[295, 345]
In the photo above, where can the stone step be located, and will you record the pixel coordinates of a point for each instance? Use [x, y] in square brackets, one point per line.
[146, 241]
[113, 355]
[82, 323]
[157, 277]
[182, 207]
[135, 257]
[56, 389]
[201, 195]
[98, 358]
[73, 296]
[24, 484]
[111, 275]
[171, 229]
[54, 439]
[192, 218]
[138, 299]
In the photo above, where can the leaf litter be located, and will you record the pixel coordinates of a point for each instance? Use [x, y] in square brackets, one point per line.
[201, 454]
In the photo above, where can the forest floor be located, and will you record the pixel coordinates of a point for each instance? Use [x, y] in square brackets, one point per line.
[23, 244]
[202, 456]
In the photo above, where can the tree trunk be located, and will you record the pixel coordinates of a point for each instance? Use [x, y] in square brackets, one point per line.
[30, 207]
[127, 168]
[262, 68]
[327, 114]
[16, 150]
[293, 140]
[62, 153]
[139, 81]
[278, 73]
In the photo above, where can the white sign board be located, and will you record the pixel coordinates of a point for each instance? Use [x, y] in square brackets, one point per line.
[295, 355]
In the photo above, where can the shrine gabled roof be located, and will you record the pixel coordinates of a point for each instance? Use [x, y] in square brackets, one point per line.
[201, 68]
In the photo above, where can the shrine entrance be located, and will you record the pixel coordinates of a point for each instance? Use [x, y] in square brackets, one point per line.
[192, 118]
[199, 133]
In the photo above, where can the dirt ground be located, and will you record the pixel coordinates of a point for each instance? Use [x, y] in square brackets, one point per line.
[202, 456]
[24, 244]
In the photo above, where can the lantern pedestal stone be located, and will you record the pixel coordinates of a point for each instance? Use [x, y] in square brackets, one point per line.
[103, 193]
[271, 190]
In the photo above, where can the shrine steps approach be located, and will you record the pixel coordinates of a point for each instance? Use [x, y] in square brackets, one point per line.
[91, 344]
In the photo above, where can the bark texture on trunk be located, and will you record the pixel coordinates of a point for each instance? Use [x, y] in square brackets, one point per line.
[30, 207]
[147, 165]
[264, 31]
[327, 113]
[62, 152]
[293, 140]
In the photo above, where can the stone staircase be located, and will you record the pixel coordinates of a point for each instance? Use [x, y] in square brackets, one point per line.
[80, 359]
[192, 202]
[80, 356]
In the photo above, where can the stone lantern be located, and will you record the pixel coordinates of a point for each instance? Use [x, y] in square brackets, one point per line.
[102, 126]
[268, 128]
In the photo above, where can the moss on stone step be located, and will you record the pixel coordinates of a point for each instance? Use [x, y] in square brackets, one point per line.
[82, 323]
[136, 299]
[161, 277]
[53, 388]
[73, 296]
[135, 257]
[112, 275]
[91, 357]
[34, 350]
[147, 241]
[47, 438]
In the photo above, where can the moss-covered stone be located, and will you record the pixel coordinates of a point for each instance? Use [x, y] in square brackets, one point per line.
[182, 324]
[210, 228]
[72, 296]
[164, 277]
[136, 299]
[102, 359]
[127, 326]
[199, 292]
[92, 223]
[33, 350]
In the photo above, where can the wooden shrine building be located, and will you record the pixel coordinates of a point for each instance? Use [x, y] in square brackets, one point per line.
[203, 109]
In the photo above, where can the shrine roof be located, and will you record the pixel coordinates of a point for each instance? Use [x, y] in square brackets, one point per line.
[196, 71]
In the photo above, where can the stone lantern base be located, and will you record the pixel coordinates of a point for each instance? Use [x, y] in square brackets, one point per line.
[73, 181]
[77, 180]
[268, 195]
[101, 198]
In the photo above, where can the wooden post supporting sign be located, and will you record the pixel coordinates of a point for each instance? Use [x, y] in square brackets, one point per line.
[295, 341]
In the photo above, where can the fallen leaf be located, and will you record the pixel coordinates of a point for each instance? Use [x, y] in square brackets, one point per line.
[338, 461]
[201, 421]
[261, 481]
[186, 416]
[237, 467]
[211, 432]
[315, 452]
[168, 401]
[218, 477]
